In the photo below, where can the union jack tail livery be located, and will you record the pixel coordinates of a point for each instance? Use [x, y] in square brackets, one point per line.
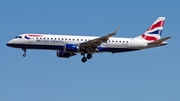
[153, 33]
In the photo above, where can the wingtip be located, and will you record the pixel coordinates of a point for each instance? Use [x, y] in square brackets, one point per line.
[169, 37]
[116, 30]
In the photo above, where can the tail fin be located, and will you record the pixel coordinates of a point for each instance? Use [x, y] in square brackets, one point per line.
[154, 32]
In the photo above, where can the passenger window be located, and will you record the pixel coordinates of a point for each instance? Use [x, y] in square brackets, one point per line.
[48, 38]
[62, 38]
[58, 38]
[44, 38]
[77, 39]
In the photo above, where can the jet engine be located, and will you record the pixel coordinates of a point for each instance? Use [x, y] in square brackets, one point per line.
[71, 48]
[64, 54]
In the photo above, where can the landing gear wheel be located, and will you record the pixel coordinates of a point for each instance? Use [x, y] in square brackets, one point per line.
[89, 56]
[84, 59]
[24, 55]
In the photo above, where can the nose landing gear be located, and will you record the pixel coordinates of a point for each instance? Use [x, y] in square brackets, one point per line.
[24, 49]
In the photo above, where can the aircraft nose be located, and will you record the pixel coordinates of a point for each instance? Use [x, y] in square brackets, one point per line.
[9, 43]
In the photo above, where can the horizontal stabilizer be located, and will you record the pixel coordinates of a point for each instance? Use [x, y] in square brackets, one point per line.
[160, 40]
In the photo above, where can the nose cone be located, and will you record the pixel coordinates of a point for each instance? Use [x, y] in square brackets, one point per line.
[10, 43]
[7, 44]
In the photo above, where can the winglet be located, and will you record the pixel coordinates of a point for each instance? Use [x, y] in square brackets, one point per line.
[113, 33]
[116, 30]
[160, 40]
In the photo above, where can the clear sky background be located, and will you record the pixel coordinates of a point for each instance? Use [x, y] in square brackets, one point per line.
[146, 75]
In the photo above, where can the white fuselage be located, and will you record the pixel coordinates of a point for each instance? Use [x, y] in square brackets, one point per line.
[53, 42]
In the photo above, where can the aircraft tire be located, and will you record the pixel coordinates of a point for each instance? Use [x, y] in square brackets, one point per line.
[84, 59]
[24, 55]
[89, 56]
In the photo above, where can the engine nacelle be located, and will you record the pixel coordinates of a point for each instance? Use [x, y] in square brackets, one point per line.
[64, 54]
[71, 48]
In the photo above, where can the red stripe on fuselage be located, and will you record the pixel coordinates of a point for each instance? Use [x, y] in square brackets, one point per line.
[149, 38]
[34, 35]
[158, 24]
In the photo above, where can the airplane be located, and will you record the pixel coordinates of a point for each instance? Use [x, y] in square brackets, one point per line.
[67, 46]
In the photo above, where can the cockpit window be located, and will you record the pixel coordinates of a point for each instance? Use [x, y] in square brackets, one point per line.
[18, 37]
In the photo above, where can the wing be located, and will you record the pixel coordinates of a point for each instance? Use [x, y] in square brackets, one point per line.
[93, 44]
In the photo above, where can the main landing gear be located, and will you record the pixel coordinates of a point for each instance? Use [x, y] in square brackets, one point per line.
[84, 59]
[24, 49]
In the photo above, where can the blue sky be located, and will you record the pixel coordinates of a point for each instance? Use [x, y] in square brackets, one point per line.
[147, 75]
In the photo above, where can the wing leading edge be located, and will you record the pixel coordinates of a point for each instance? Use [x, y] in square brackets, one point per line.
[98, 41]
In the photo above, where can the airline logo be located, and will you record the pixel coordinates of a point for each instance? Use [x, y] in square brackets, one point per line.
[154, 32]
[29, 36]
[158, 24]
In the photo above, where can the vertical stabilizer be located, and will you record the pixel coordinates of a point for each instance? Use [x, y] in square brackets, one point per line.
[154, 32]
